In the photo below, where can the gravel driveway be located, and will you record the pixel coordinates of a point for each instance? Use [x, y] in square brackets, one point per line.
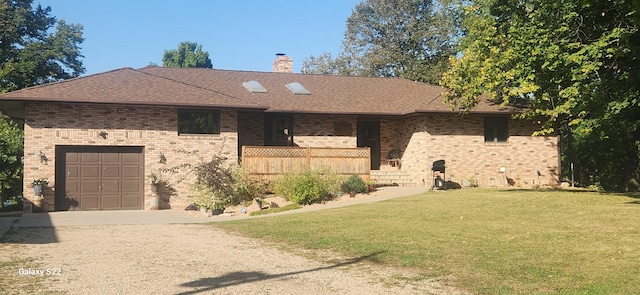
[192, 259]
[164, 252]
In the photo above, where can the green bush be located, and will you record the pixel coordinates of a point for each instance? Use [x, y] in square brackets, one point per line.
[308, 186]
[11, 204]
[246, 188]
[354, 185]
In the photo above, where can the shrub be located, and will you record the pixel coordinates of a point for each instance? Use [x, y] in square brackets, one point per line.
[354, 185]
[219, 185]
[307, 187]
[202, 196]
[246, 188]
[306, 190]
[214, 184]
[11, 204]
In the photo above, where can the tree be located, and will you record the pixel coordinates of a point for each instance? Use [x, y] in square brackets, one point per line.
[11, 153]
[29, 53]
[323, 64]
[411, 39]
[574, 62]
[188, 55]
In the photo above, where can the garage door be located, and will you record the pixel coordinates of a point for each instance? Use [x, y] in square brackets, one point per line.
[100, 178]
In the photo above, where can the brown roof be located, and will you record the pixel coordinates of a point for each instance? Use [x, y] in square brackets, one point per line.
[224, 89]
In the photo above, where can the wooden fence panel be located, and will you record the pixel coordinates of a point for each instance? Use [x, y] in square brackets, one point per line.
[269, 161]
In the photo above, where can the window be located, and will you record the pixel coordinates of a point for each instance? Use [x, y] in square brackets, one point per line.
[198, 122]
[496, 129]
[278, 129]
[254, 87]
[297, 88]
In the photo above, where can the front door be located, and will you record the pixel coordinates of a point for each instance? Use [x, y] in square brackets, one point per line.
[369, 136]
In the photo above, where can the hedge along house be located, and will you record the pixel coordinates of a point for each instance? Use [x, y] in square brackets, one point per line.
[97, 138]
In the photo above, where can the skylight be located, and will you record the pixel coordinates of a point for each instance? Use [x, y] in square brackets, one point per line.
[297, 88]
[254, 87]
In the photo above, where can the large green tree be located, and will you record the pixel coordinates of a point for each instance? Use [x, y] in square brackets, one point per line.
[412, 39]
[188, 55]
[11, 153]
[31, 51]
[34, 49]
[575, 63]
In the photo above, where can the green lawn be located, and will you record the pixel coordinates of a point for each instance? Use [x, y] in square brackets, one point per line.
[483, 241]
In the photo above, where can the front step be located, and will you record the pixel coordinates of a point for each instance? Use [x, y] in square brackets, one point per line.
[393, 177]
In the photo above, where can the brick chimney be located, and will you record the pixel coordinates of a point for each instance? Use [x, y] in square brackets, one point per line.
[282, 63]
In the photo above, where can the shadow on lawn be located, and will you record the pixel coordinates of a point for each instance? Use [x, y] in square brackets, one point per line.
[634, 196]
[206, 285]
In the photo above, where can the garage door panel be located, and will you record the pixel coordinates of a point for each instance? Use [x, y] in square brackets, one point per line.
[89, 186]
[132, 157]
[110, 186]
[111, 171]
[73, 171]
[111, 158]
[130, 201]
[89, 158]
[131, 171]
[72, 158]
[72, 186]
[130, 186]
[111, 201]
[89, 202]
[89, 171]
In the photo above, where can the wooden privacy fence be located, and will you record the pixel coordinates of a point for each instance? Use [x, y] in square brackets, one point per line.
[268, 161]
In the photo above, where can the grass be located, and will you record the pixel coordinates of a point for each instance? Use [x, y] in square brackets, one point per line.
[275, 210]
[483, 241]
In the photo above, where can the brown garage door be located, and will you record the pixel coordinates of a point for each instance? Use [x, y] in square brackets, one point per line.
[100, 178]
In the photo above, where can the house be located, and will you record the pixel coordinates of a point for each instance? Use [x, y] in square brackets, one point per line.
[96, 138]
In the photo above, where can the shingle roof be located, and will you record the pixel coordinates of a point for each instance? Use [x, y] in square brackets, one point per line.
[224, 88]
[128, 86]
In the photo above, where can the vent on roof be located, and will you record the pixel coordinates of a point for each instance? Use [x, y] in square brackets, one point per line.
[254, 87]
[297, 88]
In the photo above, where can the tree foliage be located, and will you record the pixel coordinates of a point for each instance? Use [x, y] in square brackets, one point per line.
[411, 39]
[188, 55]
[30, 54]
[11, 153]
[574, 61]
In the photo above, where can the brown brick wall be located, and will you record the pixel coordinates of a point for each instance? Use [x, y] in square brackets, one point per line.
[154, 128]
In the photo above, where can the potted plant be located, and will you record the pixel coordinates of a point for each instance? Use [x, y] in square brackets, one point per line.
[39, 185]
[154, 181]
[371, 185]
[393, 158]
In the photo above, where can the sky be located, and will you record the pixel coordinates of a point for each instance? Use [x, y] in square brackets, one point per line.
[238, 34]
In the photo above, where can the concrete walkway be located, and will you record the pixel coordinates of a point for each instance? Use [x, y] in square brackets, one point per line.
[82, 218]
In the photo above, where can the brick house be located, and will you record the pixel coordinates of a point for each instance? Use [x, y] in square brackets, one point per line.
[96, 138]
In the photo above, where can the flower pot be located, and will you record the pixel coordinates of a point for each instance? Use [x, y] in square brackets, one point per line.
[154, 203]
[38, 205]
[37, 190]
[154, 189]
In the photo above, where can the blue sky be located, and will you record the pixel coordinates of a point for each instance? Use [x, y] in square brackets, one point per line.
[239, 35]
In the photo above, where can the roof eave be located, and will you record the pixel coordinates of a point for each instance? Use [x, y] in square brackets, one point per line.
[133, 102]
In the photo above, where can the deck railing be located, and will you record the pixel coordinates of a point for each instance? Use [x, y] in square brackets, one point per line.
[269, 161]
